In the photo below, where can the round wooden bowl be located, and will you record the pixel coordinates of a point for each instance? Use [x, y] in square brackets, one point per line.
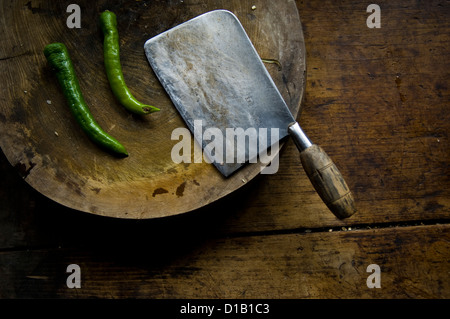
[42, 140]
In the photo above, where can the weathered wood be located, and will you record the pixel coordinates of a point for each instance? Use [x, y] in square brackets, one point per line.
[413, 263]
[391, 152]
[42, 140]
[376, 100]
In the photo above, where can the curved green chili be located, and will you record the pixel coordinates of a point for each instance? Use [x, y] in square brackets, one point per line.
[58, 57]
[113, 67]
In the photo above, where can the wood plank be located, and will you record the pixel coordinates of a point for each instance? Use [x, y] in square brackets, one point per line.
[413, 262]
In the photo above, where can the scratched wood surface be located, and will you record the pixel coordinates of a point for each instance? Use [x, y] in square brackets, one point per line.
[376, 99]
[42, 140]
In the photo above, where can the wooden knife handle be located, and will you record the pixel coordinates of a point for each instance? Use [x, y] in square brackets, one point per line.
[328, 181]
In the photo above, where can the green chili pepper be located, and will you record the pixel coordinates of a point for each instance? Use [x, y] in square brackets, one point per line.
[58, 57]
[113, 67]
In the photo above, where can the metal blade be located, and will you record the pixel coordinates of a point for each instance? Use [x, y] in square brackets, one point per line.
[213, 74]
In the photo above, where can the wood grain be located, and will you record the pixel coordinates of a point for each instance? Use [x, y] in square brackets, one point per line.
[328, 181]
[289, 266]
[43, 142]
[376, 100]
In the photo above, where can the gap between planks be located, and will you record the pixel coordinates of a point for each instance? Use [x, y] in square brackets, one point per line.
[335, 229]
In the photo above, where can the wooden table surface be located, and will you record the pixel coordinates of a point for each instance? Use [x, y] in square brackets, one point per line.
[377, 99]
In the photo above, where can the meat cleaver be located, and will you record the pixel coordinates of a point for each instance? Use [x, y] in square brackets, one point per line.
[221, 88]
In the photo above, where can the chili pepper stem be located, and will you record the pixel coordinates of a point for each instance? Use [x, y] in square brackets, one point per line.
[108, 23]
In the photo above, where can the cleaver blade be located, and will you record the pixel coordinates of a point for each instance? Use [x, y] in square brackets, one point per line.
[215, 77]
[220, 86]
